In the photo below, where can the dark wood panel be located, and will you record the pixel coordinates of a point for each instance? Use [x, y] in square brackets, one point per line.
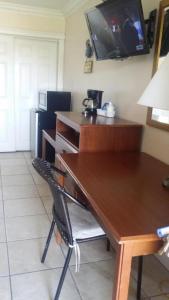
[105, 138]
[98, 133]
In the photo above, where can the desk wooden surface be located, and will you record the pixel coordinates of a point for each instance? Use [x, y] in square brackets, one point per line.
[125, 190]
[76, 120]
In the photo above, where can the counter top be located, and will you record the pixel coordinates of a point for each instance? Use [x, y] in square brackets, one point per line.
[75, 120]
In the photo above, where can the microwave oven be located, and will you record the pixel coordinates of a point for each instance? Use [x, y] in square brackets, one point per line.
[54, 101]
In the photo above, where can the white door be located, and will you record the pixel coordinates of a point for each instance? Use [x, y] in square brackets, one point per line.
[25, 87]
[7, 124]
[35, 69]
[46, 63]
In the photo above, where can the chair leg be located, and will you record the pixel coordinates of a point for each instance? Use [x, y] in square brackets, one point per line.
[108, 245]
[48, 241]
[69, 254]
[139, 277]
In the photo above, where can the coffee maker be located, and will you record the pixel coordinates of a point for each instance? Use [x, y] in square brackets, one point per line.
[92, 102]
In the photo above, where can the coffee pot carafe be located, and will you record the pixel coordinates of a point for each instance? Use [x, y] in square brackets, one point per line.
[90, 106]
[92, 102]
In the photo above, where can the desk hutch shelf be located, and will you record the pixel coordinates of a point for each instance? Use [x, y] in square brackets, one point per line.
[77, 133]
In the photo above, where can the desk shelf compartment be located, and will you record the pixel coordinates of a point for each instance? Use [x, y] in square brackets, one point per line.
[68, 134]
[64, 146]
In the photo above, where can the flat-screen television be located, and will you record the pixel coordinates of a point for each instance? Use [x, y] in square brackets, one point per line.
[165, 36]
[117, 29]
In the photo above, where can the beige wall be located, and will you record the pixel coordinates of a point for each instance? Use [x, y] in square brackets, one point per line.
[122, 82]
[28, 22]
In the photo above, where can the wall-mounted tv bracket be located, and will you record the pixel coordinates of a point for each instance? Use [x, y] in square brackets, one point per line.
[89, 49]
[150, 26]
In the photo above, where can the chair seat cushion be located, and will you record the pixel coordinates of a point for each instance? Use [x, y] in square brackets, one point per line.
[84, 225]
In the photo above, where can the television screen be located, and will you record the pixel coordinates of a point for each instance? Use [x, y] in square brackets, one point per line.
[117, 29]
[165, 35]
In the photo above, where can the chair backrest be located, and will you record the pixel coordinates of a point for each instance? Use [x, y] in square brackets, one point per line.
[60, 211]
[43, 168]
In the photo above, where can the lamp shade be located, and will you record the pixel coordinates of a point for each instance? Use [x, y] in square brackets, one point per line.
[156, 94]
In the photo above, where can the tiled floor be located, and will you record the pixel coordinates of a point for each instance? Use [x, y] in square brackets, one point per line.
[25, 212]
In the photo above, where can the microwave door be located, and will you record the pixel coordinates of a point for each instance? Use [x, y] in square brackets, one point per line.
[42, 101]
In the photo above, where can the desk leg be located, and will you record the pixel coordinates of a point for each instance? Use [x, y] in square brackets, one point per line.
[122, 272]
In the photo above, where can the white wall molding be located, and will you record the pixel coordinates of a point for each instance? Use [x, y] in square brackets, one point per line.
[32, 34]
[30, 10]
[72, 7]
[68, 9]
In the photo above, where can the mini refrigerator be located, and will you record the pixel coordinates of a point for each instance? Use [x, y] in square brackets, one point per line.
[45, 119]
[41, 120]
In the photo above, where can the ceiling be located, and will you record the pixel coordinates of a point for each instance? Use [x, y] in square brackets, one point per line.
[59, 5]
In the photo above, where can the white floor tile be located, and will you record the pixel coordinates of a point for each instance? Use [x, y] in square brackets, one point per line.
[91, 252]
[42, 286]
[27, 154]
[5, 293]
[50, 216]
[38, 179]
[28, 227]
[23, 207]
[48, 203]
[4, 268]
[2, 231]
[155, 277]
[11, 155]
[1, 209]
[44, 190]
[12, 180]
[12, 170]
[29, 161]
[32, 169]
[25, 256]
[95, 281]
[17, 192]
[13, 162]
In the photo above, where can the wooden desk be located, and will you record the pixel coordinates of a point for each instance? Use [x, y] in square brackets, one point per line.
[77, 133]
[125, 192]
